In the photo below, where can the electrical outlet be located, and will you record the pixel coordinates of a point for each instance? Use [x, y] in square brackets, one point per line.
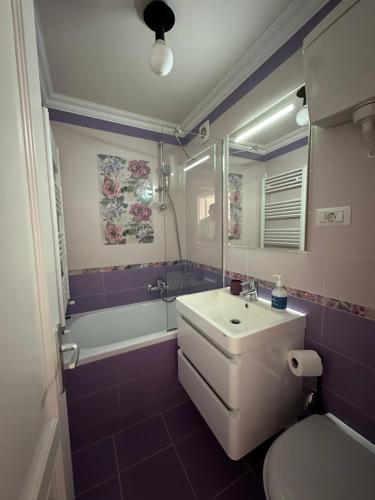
[335, 216]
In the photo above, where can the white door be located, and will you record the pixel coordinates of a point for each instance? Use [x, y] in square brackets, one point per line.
[34, 445]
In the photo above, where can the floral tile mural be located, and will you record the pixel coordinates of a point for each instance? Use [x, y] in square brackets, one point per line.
[125, 200]
[235, 206]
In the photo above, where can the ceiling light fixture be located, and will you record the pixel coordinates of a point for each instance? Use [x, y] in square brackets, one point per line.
[197, 162]
[159, 17]
[264, 123]
[302, 116]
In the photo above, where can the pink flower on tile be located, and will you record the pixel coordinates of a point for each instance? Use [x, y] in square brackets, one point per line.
[113, 233]
[110, 189]
[140, 212]
[235, 197]
[139, 169]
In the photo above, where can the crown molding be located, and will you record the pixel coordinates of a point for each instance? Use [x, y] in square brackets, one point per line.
[288, 23]
[100, 112]
[278, 33]
[293, 136]
[264, 149]
[78, 106]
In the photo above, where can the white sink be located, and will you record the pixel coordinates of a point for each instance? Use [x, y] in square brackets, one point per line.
[235, 323]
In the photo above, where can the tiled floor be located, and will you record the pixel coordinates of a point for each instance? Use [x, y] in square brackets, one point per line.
[171, 456]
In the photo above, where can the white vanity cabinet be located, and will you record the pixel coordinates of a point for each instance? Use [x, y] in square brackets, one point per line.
[245, 393]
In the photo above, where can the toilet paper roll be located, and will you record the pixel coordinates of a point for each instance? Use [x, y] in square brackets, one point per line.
[305, 363]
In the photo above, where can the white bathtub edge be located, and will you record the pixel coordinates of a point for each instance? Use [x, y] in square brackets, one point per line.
[98, 353]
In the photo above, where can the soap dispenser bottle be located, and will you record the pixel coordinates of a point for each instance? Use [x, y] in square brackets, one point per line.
[279, 294]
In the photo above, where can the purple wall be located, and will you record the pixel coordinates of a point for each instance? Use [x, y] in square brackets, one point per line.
[346, 343]
[100, 289]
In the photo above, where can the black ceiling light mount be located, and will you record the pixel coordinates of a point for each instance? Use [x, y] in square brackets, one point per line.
[302, 94]
[302, 116]
[159, 17]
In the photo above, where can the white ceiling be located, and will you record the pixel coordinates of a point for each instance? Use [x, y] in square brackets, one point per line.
[97, 50]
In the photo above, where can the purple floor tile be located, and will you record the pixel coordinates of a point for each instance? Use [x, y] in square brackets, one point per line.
[95, 433]
[247, 488]
[90, 378]
[86, 284]
[258, 455]
[161, 477]
[94, 464]
[93, 410]
[350, 335]
[128, 279]
[208, 467]
[154, 407]
[258, 472]
[141, 441]
[140, 362]
[154, 385]
[110, 490]
[183, 420]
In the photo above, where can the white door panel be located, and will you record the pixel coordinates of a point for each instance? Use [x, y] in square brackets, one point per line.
[34, 446]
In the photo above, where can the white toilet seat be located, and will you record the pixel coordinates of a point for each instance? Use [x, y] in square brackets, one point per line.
[317, 460]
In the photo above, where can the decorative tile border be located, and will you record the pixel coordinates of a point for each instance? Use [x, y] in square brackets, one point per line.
[105, 269]
[341, 305]
[315, 298]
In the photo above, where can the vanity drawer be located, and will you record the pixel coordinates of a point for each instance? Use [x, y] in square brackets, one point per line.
[220, 371]
[223, 422]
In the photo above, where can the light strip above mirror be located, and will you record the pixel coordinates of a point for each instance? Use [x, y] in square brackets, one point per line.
[197, 162]
[264, 123]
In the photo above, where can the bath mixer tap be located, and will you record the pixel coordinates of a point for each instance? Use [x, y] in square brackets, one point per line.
[159, 286]
[249, 289]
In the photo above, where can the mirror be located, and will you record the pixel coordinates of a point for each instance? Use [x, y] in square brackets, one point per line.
[267, 176]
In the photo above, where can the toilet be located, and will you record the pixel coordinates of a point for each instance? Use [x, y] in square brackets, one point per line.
[320, 458]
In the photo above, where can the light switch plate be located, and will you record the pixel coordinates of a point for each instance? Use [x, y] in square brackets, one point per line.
[334, 216]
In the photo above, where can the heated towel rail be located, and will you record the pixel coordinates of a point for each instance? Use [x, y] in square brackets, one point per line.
[283, 209]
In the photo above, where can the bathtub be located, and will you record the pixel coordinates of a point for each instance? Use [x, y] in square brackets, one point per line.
[108, 332]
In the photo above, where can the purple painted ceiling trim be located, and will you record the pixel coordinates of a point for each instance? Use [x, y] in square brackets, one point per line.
[246, 154]
[280, 56]
[299, 143]
[117, 128]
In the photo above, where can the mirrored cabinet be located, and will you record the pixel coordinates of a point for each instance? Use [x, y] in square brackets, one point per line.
[268, 176]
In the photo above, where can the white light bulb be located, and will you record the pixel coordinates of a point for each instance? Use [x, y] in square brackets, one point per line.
[302, 117]
[161, 58]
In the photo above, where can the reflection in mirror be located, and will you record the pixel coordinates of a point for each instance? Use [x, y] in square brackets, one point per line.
[200, 186]
[267, 176]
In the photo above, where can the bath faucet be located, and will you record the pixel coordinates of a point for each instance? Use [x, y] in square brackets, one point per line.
[162, 285]
[249, 289]
[159, 286]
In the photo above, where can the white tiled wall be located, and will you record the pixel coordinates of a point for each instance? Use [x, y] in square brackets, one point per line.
[340, 261]
[79, 147]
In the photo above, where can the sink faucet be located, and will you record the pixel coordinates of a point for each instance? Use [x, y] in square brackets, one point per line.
[249, 289]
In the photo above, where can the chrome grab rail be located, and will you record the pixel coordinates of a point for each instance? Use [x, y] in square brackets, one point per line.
[71, 346]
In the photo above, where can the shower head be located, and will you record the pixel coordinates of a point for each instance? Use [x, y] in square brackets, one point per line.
[166, 170]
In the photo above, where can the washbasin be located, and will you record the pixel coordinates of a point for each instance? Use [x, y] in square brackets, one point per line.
[234, 322]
